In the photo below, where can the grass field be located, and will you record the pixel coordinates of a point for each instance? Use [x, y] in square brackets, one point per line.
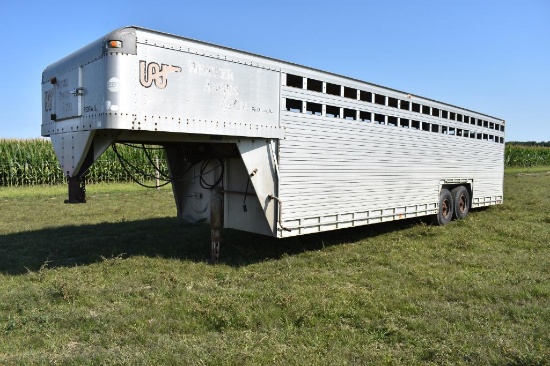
[119, 280]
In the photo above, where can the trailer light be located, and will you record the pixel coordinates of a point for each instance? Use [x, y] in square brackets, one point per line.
[114, 44]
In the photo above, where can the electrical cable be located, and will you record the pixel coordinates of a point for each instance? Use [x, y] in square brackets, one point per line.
[124, 163]
[204, 184]
[246, 194]
[167, 179]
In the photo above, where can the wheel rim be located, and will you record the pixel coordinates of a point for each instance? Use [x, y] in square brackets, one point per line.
[462, 205]
[445, 208]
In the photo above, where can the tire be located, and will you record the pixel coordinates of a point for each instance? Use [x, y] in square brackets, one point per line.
[461, 202]
[445, 209]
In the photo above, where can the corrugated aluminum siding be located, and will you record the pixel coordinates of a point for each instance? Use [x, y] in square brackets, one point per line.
[337, 172]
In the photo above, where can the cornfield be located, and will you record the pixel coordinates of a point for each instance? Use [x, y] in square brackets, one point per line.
[526, 156]
[32, 162]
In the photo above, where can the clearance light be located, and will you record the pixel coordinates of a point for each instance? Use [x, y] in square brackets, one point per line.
[114, 44]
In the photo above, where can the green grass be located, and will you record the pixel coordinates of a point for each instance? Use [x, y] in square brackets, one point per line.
[119, 280]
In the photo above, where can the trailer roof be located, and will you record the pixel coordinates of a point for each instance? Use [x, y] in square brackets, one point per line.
[303, 66]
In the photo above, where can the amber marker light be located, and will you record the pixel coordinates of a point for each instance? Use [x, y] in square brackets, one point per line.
[114, 44]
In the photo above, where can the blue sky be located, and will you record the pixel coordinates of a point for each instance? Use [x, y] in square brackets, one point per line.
[486, 55]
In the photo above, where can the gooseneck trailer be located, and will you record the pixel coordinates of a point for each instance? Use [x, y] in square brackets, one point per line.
[267, 146]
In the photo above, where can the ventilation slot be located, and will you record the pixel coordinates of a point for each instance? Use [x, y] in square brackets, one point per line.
[365, 116]
[379, 118]
[333, 111]
[350, 93]
[315, 85]
[350, 114]
[380, 99]
[333, 89]
[315, 109]
[365, 96]
[293, 105]
[294, 81]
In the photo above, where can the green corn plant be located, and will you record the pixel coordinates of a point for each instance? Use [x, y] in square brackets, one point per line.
[526, 156]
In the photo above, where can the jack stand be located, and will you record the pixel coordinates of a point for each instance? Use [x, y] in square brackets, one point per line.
[216, 223]
[77, 190]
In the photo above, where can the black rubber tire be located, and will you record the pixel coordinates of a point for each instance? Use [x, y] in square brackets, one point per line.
[461, 202]
[445, 209]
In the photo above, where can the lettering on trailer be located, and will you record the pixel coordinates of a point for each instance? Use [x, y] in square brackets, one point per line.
[48, 100]
[155, 73]
[220, 88]
[211, 71]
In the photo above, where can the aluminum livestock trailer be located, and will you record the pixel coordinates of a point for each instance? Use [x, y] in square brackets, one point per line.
[267, 146]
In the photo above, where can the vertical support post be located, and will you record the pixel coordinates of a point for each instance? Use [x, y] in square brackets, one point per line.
[216, 223]
[77, 189]
[157, 172]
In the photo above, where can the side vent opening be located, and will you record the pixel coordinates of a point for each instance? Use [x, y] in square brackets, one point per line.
[315, 85]
[380, 99]
[365, 96]
[333, 111]
[379, 119]
[350, 114]
[334, 89]
[350, 93]
[294, 81]
[293, 105]
[315, 109]
[365, 116]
